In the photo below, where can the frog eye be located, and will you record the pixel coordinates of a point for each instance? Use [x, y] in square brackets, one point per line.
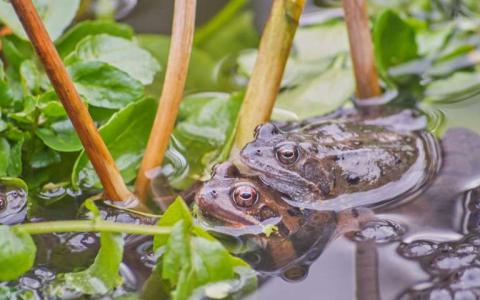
[287, 153]
[3, 203]
[245, 196]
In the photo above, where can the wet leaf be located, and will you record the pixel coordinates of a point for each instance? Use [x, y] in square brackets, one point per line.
[55, 14]
[68, 41]
[395, 41]
[117, 52]
[105, 86]
[457, 87]
[126, 135]
[17, 252]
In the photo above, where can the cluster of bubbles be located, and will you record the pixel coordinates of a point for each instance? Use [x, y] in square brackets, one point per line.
[454, 266]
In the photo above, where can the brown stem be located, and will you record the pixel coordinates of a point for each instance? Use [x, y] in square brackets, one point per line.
[95, 148]
[366, 271]
[361, 48]
[267, 74]
[172, 93]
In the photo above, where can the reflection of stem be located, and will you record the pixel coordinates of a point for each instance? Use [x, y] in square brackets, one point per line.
[366, 271]
[172, 93]
[267, 74]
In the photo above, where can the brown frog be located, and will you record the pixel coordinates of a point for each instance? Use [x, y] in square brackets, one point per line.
[240, 205]
[354, 160]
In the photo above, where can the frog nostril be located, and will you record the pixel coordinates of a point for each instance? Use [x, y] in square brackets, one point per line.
[258, 152]
[214, 193]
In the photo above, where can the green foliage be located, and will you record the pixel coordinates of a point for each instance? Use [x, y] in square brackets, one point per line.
[55, 14]
[126, 136]
[395, 41]
[17, 252]
[192, 259]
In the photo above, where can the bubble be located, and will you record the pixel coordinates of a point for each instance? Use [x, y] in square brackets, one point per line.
[465, 249]
[440, 294]
[467, 278]
[464, 295]
[295, 274]
[379, 231]
[30, 283]
[44, 274]
[417, 249]
[451, 261]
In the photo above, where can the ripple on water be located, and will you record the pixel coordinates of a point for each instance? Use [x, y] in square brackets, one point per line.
[379, 231]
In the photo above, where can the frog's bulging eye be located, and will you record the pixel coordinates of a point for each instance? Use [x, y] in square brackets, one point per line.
[245, 196]
[287, 154]
[3, 203]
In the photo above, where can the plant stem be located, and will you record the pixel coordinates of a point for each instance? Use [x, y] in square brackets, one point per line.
[267, 74]
[361, 48]
[172, 93]
[227, 13]
[91, 226]
[95, 148]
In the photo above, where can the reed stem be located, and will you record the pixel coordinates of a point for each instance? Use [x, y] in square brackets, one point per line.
[172, 93]
[95, 148]
[91, 226]
[361, 48]
[267, 74]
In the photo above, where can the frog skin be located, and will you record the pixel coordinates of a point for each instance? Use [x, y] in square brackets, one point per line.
[240, 205]
[13, 204]
[343, 157]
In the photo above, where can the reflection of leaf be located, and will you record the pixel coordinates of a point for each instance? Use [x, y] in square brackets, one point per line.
[67, 42]
[105, 86]
[118, 52]
[17, 253]
[102, 275]
[318, 95]
[394, 40]
[55, 14]
[126, 135]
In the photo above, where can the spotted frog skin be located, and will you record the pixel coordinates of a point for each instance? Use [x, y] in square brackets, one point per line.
[340, 156]
[240, 205]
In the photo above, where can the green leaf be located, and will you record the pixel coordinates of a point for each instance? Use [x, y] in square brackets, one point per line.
[10, 158]
[309, 47]
[318, 95]
[105, 86]
[56, 16]
[177, 211]
[67, 42]
[236, 34]
[457, 87]
[177, 252]
[16, 50]
[17, 252]
[126, 136]
[102, 276]
[204, 126]
[118, 52]
[394, 40]
[60, 136]
[201, 72]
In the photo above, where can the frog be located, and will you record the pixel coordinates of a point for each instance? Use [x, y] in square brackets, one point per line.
[235, 204]
[13, 202]
[348, 158]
